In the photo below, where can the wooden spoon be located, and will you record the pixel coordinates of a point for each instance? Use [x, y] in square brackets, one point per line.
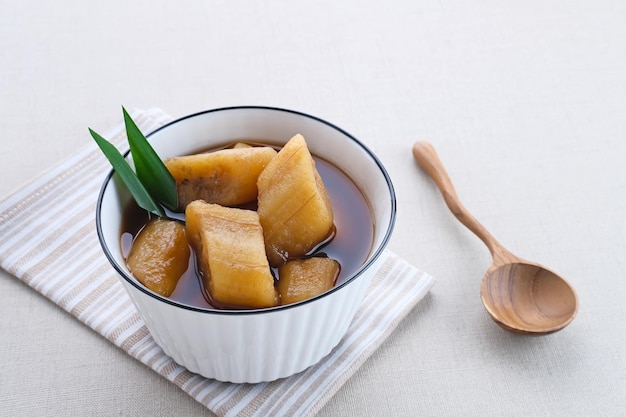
[521, 296]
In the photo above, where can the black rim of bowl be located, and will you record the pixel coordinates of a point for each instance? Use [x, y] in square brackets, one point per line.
[131, 280]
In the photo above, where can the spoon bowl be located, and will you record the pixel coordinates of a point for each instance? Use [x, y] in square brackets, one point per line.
[523, 297]
[520, 296]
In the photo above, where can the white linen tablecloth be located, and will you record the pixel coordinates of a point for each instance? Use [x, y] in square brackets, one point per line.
[524, 101]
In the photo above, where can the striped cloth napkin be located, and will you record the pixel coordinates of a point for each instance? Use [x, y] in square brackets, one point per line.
[59, 255]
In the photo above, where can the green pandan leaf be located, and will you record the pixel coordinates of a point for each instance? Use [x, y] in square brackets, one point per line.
[136, 188]
[150, 169]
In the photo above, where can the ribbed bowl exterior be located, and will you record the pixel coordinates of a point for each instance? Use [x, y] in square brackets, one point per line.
[251, 347]
[257, 345]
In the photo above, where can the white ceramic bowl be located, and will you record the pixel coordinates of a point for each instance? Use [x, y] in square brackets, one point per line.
[253, 345]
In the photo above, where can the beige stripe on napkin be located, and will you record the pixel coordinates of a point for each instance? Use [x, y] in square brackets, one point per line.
[48, 240]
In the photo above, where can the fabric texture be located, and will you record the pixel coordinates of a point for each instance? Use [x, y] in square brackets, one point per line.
[49, 241]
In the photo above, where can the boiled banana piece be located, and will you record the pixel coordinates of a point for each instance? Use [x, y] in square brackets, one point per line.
[160, 255]
[300, 279]
[293, 206]
[227, 176]
[228, 243]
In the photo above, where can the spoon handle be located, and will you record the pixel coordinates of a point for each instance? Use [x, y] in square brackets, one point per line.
[427, 158]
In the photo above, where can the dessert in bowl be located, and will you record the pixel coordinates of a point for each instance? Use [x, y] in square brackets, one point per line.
[262, 344]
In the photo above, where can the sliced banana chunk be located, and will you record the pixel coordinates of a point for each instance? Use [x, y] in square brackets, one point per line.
[231, 255]
[293, 206]
[227, 177]
[300, 279]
